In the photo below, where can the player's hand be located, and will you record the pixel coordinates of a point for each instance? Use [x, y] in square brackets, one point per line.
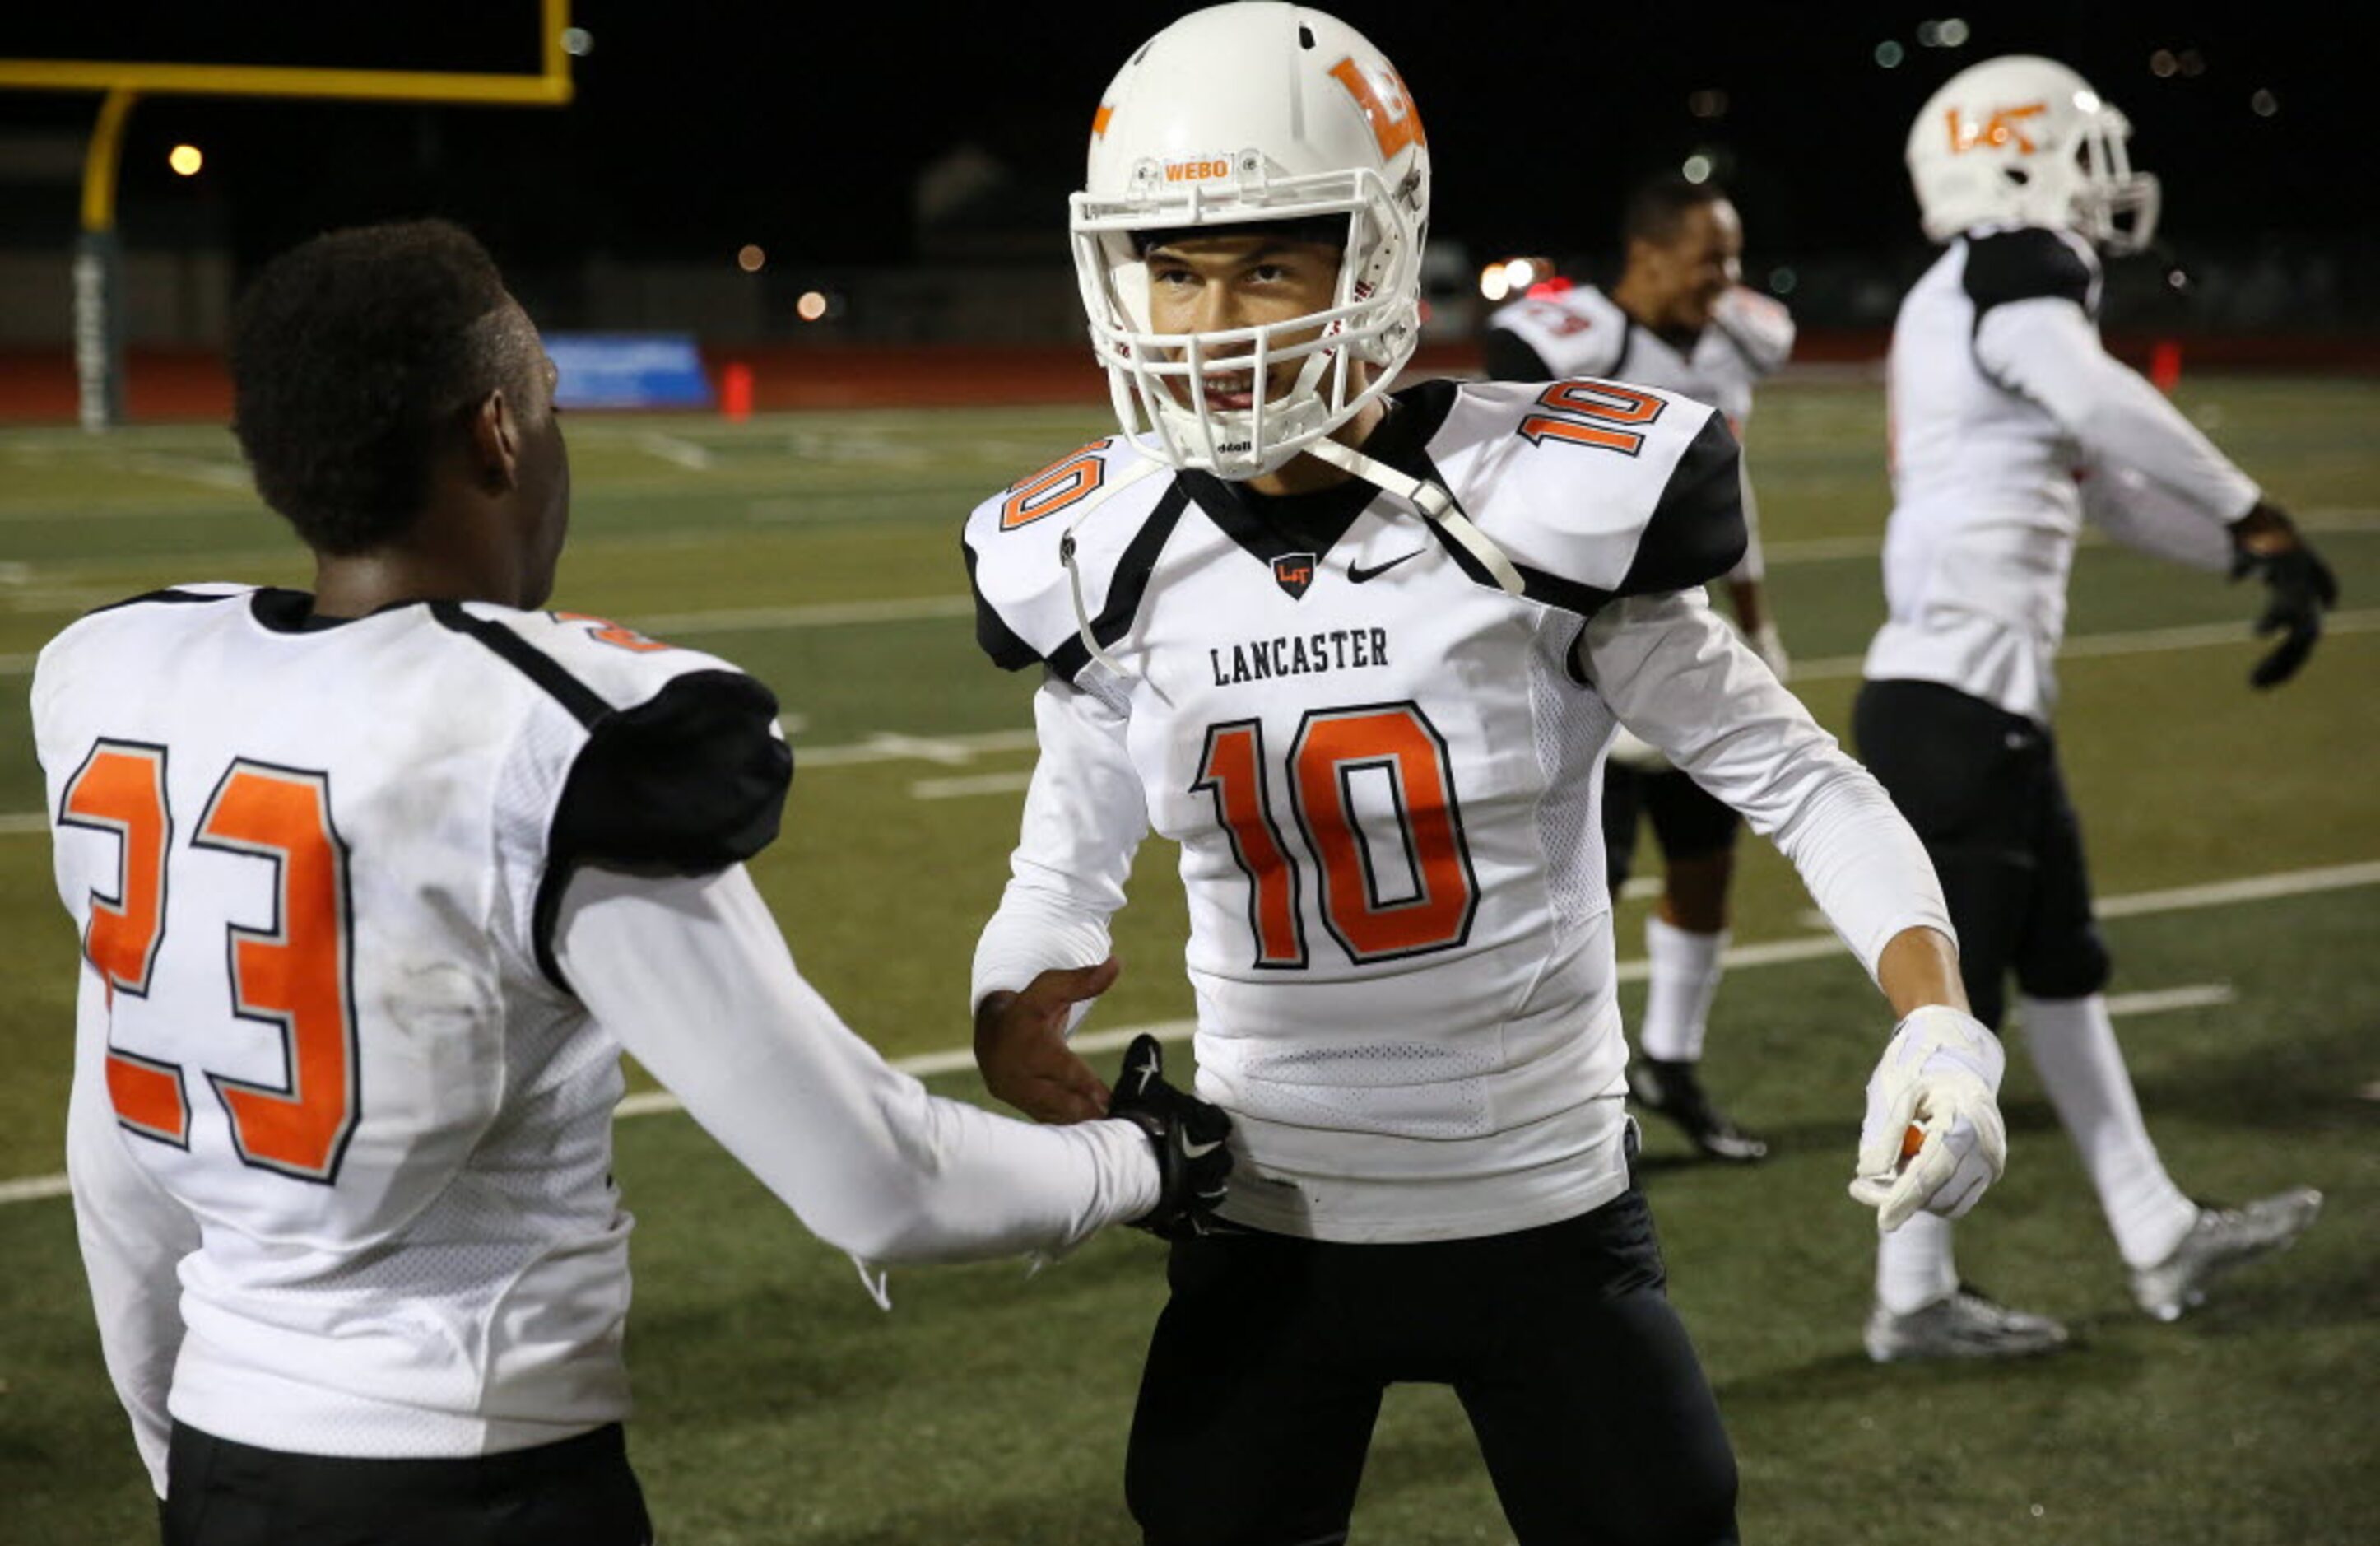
[1020, 1046]
[1933, 1138]
[1194, 1163]
[2299, 588]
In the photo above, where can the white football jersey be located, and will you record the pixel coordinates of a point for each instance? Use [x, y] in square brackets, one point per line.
[2000, 396]
[1382, 769]
[1580, 332]
[313, 868]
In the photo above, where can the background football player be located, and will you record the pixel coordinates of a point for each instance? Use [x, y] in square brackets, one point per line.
[1679, 320]
[1359, 654]
[2001, 400]
[373, 885]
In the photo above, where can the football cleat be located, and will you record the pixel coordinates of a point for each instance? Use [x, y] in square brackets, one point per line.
[1962, 1324]
[1675, 1090]
[2220, 1239]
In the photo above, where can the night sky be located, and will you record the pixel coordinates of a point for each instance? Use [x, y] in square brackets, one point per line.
[701, 126]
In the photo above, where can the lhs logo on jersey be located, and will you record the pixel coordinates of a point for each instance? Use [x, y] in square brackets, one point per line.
[1294, 572]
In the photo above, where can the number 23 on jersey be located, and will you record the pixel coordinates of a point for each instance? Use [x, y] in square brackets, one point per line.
[293, 971]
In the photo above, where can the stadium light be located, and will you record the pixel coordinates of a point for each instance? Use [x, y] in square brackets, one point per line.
[2162, 64]
[1493, 285]
[186, 160]
[2264, 103]
[1782, 280]
[1889, 53]
[751, 257]
[1519, 274]
[1953, 33]
[1697, 169]
[577, 42]
[811, 307]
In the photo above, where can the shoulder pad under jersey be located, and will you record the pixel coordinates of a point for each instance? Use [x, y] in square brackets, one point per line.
[2028, 262]
[1576, 333]
[684, 768]
[1595, 489]
[1760, 328]
[1119, 506]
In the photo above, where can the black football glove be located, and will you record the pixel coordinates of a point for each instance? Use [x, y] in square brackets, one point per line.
[1193, 1162]
[2299, 588]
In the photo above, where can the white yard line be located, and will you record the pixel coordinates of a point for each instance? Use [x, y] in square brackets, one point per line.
[673, 449]
[2129, 641]
[2250, 888]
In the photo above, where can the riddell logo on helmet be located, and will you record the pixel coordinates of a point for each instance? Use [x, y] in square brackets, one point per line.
[1196, 171]
[2005, 127]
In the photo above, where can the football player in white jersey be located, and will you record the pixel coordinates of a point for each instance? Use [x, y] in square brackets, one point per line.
[373, 885]
[1679, 319]
[1360, 653]
[2002, 402]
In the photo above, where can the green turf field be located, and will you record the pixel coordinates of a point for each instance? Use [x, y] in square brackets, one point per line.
[778, 1405]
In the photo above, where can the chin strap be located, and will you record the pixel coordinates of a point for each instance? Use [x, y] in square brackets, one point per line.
[1435, 503]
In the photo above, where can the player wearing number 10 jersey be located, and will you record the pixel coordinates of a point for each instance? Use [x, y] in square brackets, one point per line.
[1359, 654]
[373, 885]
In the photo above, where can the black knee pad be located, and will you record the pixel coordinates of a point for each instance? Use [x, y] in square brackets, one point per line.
[2073, 965]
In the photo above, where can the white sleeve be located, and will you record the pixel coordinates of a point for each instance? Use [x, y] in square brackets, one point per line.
[690, 974]
[2124, 503]
[1679, 677]
[2047, 348]
[134, 1236]
[1085, 815]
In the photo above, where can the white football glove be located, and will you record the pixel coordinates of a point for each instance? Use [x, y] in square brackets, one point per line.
[1941, 1077]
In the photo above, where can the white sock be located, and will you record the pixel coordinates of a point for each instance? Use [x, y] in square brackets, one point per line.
[1913, 1266]
[1683, 973]
[2073, 1045]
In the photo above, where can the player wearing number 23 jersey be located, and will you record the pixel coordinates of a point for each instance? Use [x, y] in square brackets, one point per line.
[1359, 654]
[374, 884]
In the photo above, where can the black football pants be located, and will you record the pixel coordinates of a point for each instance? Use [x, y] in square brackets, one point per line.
[1688, 820]
[1983, 788]
[1267, 1366]
[577, 1492]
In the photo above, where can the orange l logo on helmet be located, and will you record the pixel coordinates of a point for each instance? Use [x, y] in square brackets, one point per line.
[1394, 123]
[1100, 121]
[2005, 127]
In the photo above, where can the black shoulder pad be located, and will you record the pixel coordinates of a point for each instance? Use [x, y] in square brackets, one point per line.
[1509, 358]
[2023, 264]
[689, 781]
[1697, 533]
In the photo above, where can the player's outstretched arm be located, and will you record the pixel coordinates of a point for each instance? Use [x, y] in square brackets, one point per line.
[1043, 955]
[691, 975]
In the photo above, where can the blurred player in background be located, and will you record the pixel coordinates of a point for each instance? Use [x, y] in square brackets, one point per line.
[1679, 320]
[1359, 654]
[374, 884]
[2001, 400]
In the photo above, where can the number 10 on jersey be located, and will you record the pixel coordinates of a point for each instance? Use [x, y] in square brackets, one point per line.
[1373, 915]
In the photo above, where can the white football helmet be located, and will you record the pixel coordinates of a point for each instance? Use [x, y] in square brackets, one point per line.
[2022, 140]
[1254, 113]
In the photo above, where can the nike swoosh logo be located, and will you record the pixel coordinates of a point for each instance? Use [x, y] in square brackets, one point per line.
[1200, 1150]
[1357, 574]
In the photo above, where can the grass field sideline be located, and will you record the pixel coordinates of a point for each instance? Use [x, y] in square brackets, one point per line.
[777, 1404]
